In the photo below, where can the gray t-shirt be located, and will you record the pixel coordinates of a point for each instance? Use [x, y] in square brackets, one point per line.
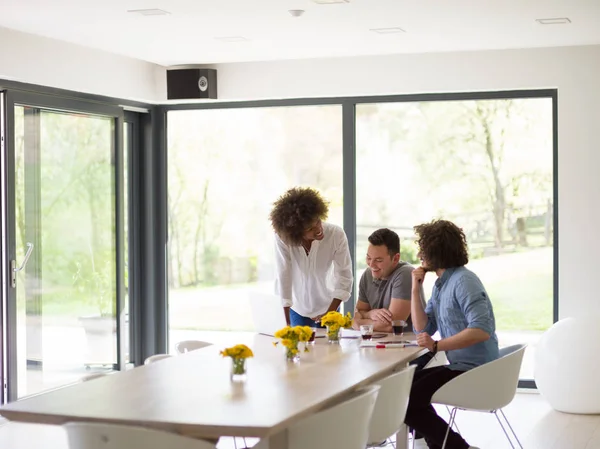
[378, 293]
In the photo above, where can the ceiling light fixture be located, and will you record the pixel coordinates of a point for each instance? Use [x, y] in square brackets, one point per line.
[330, 2]
[296, 12]
[554, 21]
[230, 39]
[390, 30]
[149, 12]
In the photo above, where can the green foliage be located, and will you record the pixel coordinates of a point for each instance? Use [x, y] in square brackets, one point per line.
[95, 285]
[408, 252]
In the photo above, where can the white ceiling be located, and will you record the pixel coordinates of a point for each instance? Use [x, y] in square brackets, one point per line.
[189, 34]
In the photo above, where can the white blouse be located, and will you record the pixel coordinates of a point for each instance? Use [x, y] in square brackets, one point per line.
[308, 283]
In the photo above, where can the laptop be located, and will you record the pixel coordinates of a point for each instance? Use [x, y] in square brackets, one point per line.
[267, 312]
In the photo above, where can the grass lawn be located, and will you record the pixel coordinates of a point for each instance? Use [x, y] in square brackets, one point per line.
[520, 286]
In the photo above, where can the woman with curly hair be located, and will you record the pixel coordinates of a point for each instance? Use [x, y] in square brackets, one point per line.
[461, 311]
[308, 252]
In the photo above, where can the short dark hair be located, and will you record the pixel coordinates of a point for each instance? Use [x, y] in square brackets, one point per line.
[387, 238]
[296, 211]
[442, 244]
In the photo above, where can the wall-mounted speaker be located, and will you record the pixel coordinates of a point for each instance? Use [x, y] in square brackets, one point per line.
[184, 84]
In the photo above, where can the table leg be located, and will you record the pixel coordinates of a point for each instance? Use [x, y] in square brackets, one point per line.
[276, 441]
[402, 438]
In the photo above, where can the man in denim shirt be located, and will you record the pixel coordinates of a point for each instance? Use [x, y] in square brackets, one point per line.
[461, 311]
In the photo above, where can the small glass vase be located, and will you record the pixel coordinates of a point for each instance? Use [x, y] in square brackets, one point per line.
[292, 355]
[333, 335]
[238, 370]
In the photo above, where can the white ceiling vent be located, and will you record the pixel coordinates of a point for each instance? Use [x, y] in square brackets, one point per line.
[230, 39]
[330, 2]
[391, 30]
[554, 21]
[149, 12]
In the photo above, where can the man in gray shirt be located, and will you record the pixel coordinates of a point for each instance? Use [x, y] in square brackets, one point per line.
[384, 291]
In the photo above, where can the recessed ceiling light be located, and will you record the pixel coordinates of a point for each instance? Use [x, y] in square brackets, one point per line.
[330, 2]
[149, 12]
[554, 21]
[391, 30]
[232, 39]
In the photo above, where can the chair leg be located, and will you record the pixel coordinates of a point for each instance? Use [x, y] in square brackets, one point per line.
[455, 425]
[245, 444]
[235, 442]
[452, 417]
[495, 412]
[511, 429]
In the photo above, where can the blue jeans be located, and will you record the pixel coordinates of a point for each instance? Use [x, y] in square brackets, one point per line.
[298, 320]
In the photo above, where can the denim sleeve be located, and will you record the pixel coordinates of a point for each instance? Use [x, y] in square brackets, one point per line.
[432, 326]
[475, 305]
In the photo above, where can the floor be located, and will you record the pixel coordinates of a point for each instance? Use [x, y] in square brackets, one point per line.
[536, 424]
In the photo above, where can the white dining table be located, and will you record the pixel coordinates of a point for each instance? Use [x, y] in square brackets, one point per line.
[192, 394]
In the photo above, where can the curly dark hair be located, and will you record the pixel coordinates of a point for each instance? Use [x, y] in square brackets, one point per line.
[442, 244]
[388, 238]
[296, 211]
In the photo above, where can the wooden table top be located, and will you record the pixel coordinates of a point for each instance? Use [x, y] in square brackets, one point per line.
[192, 395]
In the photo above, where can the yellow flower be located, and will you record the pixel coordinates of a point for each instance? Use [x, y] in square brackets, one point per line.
[334, 320]
[237, 352]
[291, 336]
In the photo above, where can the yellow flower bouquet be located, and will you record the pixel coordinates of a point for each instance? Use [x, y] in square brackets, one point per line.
[290, 337]
[238, 354]
[334, 321]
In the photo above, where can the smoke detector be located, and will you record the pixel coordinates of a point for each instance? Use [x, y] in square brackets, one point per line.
[296, 12]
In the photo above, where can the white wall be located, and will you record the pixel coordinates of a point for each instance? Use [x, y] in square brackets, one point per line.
[575, 71]
[48, 62]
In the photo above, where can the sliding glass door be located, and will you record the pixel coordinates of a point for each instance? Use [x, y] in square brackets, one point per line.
[61, 240]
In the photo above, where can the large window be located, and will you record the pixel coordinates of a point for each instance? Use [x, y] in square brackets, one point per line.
[225, 169]
[487, 165]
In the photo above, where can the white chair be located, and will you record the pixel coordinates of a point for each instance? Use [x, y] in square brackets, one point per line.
[487, 388]
[344, 425]
[390, 407]
[111, 436]
[190, 345]
[439, 359]
[156, 358]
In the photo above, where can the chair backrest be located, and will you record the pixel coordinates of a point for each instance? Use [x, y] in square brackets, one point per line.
[488, 387]
[439, 359]
[390, 407]
[111, 436]
[344, 425]
[156, 358]
[190, 345]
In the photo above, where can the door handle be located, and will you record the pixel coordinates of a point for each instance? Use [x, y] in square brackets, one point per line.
[13, 265]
